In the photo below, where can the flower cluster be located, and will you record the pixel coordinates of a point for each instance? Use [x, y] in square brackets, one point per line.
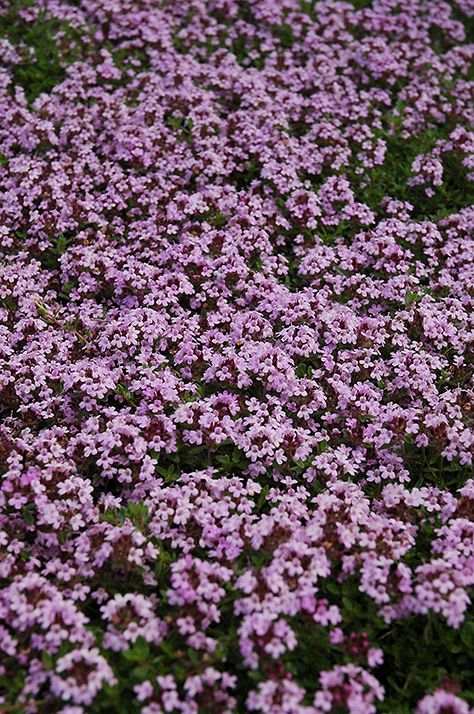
[236, 349]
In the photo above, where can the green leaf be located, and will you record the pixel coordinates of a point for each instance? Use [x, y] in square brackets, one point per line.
[467, 634]
[139, 652]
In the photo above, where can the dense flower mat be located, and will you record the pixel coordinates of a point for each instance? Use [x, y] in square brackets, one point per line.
[236, 344]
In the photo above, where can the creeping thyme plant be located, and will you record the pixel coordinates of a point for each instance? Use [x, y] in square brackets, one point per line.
[236, 356]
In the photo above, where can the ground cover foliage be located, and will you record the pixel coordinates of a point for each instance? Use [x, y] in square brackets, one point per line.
[236, 348]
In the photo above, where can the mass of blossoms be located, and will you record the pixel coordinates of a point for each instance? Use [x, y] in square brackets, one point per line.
[236, 356]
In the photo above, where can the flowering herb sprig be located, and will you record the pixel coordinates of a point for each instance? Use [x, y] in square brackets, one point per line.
[236, 349]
